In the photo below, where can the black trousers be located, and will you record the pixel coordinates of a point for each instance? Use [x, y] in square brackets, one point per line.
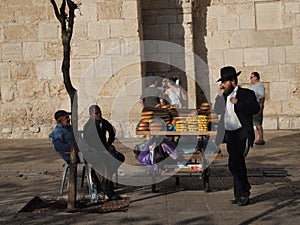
[236, 144]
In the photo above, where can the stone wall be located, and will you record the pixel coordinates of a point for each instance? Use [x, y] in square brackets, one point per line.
[106, 65]
[262, 36]
[103, 62]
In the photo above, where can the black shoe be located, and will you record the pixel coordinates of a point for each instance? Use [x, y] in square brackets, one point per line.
[260, 142]
[234, 201]
[242, 201]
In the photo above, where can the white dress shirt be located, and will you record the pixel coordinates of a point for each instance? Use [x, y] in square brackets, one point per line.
[230, 118]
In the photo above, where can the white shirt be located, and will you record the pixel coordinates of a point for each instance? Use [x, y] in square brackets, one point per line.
[230, 118]
[259, 90]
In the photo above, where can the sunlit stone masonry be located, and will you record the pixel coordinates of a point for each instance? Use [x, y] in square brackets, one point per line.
[117, 43]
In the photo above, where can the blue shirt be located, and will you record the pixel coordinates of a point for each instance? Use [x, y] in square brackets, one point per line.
[62, 140]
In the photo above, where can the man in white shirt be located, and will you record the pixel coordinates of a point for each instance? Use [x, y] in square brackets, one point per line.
[259, 89]
[236, 106]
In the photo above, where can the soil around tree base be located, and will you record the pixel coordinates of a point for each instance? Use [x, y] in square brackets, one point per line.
[40, 205]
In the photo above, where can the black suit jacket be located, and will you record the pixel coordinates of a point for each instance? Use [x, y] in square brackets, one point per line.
[245, 108]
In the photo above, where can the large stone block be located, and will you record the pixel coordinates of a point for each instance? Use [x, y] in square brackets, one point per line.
[277, 55]
[283, 37]
[268, 15]
[5, 72]
[98, 30]
[8, 14]
[292, 7]
[229, 23]
[295, 122]
[53, 50]
[80, 67]
[8, 89]
[1, 34]
[30, 90]
[23, 70]
[110, 10]
[215, 59]
[110, 46]
[88, 12]
[296, 36]
[129, 28]
[247, 22]
[278, 91]
[270, 123]
[240, 39]
[288, 122]
[262, 38]
[48, 30]
[33, 50]
[46, 70]
[256, 56]
[85, 50]
[80, 32]
[273, 108]
[130, 9]
[131, 47]
[233, 57]
[284, 122]
[29, 14]
[11, 51]
[293, 54]
[287, 72]
[291, 106]
[220, 40]
[297, 19]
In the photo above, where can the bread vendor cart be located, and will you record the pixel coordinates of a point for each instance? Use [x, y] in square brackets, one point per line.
[188, 137]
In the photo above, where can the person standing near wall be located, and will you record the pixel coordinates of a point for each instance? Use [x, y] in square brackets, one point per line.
[259, 90]
[151, 96]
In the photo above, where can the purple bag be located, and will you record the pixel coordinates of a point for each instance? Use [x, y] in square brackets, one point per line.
[147, 158]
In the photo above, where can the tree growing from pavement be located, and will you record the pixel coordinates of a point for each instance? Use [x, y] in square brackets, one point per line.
[65, 15]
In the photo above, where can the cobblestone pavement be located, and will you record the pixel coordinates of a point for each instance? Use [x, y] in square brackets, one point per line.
[31, 168]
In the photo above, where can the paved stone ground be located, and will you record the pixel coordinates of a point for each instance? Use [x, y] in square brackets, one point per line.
[31, 168]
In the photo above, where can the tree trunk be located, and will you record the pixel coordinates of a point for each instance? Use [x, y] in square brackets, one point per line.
[67, 22]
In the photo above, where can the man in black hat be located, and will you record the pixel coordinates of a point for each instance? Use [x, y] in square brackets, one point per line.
[61, 135]
[236, 106]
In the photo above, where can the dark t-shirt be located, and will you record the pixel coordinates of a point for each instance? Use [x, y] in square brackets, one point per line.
[151, 96]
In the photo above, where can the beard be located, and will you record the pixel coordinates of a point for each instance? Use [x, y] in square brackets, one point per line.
[229, 90]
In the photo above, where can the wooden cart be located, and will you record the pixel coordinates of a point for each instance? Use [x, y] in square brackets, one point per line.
[196, 166]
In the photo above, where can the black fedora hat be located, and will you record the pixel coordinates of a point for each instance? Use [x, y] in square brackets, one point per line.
[227, 73]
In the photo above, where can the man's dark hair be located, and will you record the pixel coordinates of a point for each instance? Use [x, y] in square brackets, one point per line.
[92, 108]
[256, 74]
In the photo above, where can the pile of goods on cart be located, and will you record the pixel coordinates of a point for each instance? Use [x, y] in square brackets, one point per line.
[173, 119]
